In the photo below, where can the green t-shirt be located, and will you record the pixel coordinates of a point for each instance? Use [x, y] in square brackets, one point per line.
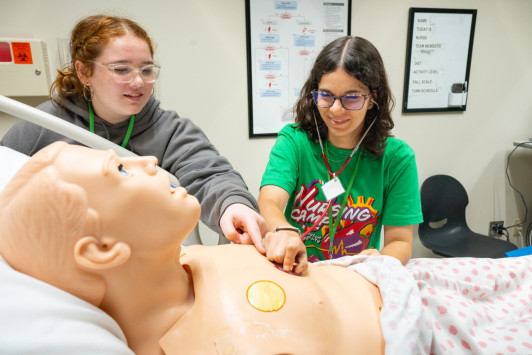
[385, 191]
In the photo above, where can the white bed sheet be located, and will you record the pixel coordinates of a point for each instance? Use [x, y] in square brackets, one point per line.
[10, 162]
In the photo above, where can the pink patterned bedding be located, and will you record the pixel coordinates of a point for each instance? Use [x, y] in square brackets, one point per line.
[452, 305]
[479, 306]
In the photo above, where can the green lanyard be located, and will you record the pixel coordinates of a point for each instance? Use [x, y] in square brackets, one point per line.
[129, 128]
[334, 224]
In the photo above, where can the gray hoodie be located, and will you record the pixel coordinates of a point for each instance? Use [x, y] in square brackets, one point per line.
[180, 147]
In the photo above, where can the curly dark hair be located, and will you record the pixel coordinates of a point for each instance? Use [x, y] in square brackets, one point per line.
[359, 58]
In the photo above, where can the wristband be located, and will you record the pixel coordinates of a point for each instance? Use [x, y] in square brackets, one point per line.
[287, 228]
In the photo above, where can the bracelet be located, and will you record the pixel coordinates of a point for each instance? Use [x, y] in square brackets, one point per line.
[287, 228]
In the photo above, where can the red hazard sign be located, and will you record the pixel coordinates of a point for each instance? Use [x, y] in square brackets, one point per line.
[22, 52]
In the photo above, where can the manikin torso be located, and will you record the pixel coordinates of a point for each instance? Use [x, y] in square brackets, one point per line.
[329, 309]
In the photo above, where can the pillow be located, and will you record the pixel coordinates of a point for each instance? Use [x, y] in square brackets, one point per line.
[38, 318]
[10, 162]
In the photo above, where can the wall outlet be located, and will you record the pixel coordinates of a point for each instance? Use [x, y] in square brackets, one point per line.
[492, 232]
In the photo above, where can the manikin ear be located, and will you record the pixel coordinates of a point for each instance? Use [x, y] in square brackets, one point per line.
[98, 253]
[83, 72]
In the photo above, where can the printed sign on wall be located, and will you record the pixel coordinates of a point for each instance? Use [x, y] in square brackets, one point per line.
[283, 40]
[440, 43]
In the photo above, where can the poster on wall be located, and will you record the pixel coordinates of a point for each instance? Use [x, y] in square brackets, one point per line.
[438, 59]
[283, 40]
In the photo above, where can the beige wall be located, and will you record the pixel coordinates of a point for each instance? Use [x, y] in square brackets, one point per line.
[202, 49]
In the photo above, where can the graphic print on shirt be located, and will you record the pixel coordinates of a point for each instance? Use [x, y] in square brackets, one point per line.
[354, 232]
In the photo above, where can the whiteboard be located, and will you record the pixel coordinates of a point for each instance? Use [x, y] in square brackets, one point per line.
[283, 41]
[440, 43]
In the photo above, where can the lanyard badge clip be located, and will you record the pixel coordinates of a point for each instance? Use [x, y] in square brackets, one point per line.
[333, 188]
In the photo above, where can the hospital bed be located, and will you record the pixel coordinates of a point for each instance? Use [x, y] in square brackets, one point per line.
[436, 306]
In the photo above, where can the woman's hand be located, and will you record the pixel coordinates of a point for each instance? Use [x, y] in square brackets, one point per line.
[283, 247]
[287, 249]
[370, 252]
[242, 225]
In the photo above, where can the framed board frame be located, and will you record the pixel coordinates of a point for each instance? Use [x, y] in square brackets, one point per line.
[283, 40]
[438, 59]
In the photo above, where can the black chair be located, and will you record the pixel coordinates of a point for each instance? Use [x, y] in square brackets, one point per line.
[444, 229]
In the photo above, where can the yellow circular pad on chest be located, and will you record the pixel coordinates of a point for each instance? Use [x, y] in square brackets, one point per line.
[266, 296]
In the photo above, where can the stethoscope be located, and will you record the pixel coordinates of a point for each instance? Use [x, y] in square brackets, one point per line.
[334, 177]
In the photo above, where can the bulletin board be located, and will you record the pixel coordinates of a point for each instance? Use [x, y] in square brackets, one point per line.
[283, 41]
[438, 59]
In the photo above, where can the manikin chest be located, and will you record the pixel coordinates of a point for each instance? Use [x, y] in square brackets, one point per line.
[245, 305]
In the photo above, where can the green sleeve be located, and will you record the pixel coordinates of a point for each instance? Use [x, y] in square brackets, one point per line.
[402, 205]
[283, 166]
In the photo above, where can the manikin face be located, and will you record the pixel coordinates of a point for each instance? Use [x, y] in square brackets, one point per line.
[345, 126]
[113, 101]
[134, 201]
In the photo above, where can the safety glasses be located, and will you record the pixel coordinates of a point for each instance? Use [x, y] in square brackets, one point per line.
[124, 73]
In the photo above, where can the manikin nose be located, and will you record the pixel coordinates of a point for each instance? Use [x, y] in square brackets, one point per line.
[147, 164]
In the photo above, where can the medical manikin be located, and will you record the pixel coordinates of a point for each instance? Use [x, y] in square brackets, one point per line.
[109, 230]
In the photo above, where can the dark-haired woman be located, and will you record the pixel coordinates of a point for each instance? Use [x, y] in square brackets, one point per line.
[337, 177]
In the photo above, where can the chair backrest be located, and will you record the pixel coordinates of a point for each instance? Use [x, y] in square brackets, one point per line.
[443, 203]
[443, 197]
[444, 229]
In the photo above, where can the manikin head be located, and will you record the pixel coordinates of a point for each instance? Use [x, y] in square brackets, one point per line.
[72, 213]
